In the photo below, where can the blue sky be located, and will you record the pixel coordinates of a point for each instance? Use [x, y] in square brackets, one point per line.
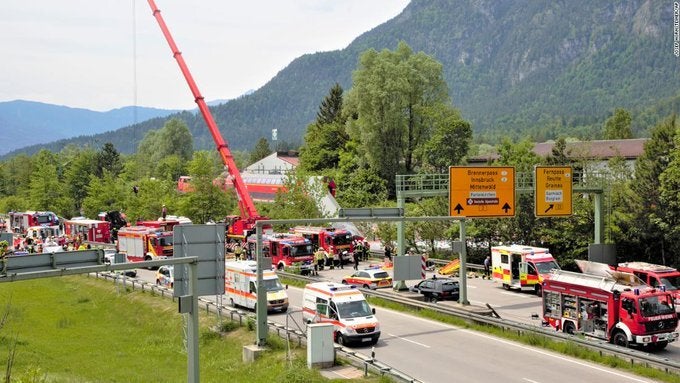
[81, 53]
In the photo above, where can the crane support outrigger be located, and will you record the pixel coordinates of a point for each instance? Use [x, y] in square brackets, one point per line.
[242, 226]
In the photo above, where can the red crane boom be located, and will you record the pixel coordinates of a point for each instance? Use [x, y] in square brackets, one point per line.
[248, 211]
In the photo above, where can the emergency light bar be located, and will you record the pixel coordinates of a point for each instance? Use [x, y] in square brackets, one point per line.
[341, 288]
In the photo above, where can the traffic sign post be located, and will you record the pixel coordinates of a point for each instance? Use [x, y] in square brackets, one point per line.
[476, 191]
[553, 191]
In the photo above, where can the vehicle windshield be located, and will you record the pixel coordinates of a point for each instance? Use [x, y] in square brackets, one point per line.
[354, 309]
[671, 283]
[545, 267]
[657, 305]
[272, 285]
[302, 250]
[43, 219]
[165, 240]
[343, 239]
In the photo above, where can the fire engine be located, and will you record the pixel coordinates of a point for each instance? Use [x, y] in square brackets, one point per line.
[19, 222]
[165, 225]
[617, 307]
[334, 241]
[239, 227]
[89, 229]
[655, 276]
[141, 243]
[285, 250]
[521, 267]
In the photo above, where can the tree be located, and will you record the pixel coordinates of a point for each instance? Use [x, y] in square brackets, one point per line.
[104, 194]
[391, 96]
[450, 140]
[645, 199]
[174, 138]
[82, 164]
[618, 126]
[206, 202]
[330, 110]
[325, 137]
[108, 159]
[46, 192]
[260, 151]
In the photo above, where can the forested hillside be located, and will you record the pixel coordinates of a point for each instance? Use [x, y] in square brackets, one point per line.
[514, 68]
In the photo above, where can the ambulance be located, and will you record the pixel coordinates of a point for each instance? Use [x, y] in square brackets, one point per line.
[345, 307]
[521, 267]
[240, 286]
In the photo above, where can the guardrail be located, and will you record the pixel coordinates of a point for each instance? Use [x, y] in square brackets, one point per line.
[631, 355]
[359, 360]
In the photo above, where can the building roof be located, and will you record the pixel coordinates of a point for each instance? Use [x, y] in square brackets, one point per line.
[598, 149]
[290, 157]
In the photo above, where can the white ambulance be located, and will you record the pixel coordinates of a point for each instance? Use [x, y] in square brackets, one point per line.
[240, 286]
[522, 267]
[345, 307]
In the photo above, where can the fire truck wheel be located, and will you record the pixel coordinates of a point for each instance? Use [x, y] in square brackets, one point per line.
[279, 266]
[539, 290]
[569, 328]
[620, 339]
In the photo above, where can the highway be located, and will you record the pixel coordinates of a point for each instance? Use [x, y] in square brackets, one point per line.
[436, 352]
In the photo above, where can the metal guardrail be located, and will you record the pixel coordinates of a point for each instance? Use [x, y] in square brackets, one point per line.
[359, 360]
[631, 355]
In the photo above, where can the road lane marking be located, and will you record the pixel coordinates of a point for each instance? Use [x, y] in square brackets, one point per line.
[564, 359]
[515, 294]
[408, 340]
[529, 380]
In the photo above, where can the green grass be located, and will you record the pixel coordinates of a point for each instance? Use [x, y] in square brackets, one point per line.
[78, 329]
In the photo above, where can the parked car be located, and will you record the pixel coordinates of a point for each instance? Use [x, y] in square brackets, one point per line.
[369, 279]
[110, 257]
[165, 276]
[437, 289]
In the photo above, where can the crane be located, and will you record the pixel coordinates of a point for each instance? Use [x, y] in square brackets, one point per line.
[238, 227]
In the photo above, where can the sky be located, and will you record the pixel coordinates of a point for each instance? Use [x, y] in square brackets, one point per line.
[106, 54]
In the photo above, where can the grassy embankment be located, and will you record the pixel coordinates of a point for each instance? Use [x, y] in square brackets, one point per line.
[78, 329]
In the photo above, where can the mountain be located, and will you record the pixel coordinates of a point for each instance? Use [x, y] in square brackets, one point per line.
[514, 68]
[48, 122]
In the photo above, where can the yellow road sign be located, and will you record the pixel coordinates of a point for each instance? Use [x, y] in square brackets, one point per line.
[481, 191]
[552, 191]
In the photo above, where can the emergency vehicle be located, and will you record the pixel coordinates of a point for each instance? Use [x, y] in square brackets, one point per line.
[240, 286]
[618, 308]
[521, 267]
[165, 225]
[89, 229]
[285, 250]
[20, 222]
[345, 307]
[334, 241]
[141, 243]
[655, 276]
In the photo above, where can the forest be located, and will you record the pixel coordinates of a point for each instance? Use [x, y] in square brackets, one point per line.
[396, 118]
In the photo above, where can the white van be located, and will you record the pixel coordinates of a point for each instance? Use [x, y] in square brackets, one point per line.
[240, 286]
[345, 307]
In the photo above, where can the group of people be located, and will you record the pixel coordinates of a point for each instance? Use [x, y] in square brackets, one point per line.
[323, 259]
[31, 245]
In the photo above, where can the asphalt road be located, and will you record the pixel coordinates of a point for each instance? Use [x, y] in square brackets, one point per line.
[435, 352]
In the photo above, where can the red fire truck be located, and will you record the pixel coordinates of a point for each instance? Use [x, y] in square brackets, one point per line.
[19, 222]
[617, 307]
[141, 243]
[285, 250]
[334, 241]
[655, 276]
[89, 230]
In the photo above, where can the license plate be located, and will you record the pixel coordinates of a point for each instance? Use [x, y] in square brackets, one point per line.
[366, 339]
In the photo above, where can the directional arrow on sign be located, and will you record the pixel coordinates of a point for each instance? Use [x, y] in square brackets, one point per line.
[506, 207]
[549, 208]
[458, 208]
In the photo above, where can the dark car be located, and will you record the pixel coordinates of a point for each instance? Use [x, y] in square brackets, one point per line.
[437, 289]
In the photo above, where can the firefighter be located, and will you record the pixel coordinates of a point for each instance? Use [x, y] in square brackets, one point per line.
[238, 251]
[319, 258]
